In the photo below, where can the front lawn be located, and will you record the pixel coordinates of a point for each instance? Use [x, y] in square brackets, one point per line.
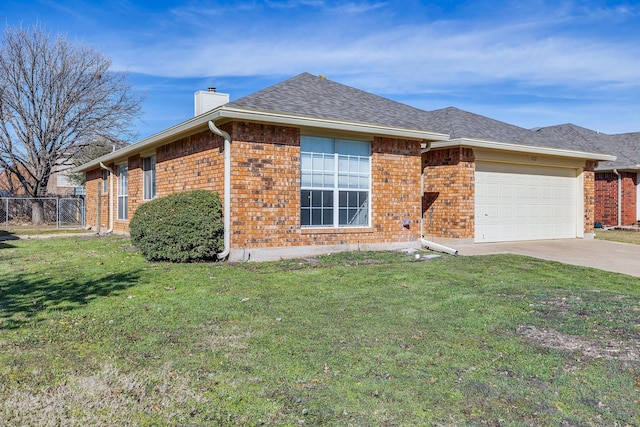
[91, 334]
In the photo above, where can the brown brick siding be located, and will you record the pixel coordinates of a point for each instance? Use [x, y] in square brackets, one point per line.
[588, 194]
[265, 185]
[395, 176]
[449, 205]
[93, 191]
[606, 198]
[193, 162]
[265, 191]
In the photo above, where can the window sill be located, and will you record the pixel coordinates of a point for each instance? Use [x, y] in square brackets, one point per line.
[337, 230]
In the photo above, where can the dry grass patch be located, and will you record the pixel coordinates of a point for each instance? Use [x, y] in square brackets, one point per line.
[108, 397]
[550, 338]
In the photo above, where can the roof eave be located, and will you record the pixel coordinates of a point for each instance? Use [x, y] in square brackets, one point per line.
[231, 113]
[332, 124]
[631, 168]
[505, 146]
[149, 142]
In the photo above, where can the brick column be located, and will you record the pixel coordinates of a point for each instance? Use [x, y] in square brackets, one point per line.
[449, 200]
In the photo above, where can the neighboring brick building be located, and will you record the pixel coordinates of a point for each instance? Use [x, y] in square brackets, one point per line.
[616, 198]
[617, 186]
[316, 166]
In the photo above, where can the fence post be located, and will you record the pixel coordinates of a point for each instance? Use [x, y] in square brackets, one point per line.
[6, 214]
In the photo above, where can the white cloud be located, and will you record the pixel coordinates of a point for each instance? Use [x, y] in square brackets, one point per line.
[556, 51]
[288, 4]
[354, 8]
[433, 54]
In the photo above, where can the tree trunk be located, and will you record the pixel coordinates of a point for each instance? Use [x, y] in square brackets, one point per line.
[37, 212]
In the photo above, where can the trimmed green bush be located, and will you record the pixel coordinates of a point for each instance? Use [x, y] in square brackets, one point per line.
[180, 227]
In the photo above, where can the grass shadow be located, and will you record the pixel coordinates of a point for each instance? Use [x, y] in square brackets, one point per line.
[6, 236]
[24, 296]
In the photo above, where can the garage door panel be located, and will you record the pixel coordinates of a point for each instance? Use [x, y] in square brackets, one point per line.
[521, 202]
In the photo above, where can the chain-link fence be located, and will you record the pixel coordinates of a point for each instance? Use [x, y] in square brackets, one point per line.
[58, 212]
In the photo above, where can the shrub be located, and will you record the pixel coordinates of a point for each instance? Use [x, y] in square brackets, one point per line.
[180, 227]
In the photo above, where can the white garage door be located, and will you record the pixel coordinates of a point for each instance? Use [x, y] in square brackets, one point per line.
[518, 202]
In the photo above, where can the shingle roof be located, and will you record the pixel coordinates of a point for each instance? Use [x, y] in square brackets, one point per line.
[625, 146]
[318, 97]
[463, 124]
[313, 96]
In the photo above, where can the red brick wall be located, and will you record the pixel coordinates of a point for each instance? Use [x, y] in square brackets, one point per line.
[589, 196]
[265, 190]
[94, 189]
[629, 198]
[193, 162]
[395, 175]
[449, 204]
[606, 198]
[265, 185]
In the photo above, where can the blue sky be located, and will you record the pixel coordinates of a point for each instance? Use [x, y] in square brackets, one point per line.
[527, 62]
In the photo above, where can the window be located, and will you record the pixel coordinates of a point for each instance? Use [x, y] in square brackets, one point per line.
[335, 182]
[123, 191]
[149, 177]
[105, 181]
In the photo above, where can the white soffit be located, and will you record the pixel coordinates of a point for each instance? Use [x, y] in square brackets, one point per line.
[318, 122]
[503, 146]
[231, 113]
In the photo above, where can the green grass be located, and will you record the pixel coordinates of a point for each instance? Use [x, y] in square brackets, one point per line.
[27, 231]
[624, 236]
[91, 334]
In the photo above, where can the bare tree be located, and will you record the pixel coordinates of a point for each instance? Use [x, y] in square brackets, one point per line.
[56, 97]
[87, 152]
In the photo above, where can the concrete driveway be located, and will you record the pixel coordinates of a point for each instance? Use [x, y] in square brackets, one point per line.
[610, 256]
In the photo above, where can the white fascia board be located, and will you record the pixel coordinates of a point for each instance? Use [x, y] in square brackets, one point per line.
[317, 122]
[149, 142]
[504, 146]
[259, 116]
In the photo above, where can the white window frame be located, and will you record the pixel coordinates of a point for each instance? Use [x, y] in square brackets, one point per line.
[123, 191]
[149, 177]
[329, 179]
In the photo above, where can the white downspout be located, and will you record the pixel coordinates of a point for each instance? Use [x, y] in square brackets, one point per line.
[427, 243]
[619, 197]
[227, 189]
[111, 178]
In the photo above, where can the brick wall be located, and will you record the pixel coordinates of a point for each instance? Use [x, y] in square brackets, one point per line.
[93, 193]
[265, 190]
[395, 175]
[265, 185]
[606, 198]
[193, 162]
[589, 196]
[190, 163]
[449, 205]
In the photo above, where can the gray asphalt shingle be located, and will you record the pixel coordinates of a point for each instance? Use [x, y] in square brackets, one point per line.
[625, 146]
[318, 97]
